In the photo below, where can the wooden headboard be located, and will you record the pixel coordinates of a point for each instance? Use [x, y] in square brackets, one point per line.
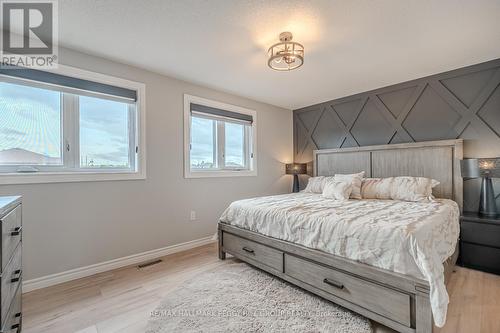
[439, 160]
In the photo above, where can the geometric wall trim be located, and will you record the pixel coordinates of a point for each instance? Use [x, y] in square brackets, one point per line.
[463, 103]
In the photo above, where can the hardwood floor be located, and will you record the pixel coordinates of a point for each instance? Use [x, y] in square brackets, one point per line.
[121, 300]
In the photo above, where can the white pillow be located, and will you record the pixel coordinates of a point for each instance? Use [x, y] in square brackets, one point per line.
[355, 180]
[376, 188]
[416, 189]
[315, 185]
[337, 190]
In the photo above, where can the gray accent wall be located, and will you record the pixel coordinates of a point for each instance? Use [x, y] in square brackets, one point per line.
[463, 103]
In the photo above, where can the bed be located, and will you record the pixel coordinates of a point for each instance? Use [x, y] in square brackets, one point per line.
[387, 260]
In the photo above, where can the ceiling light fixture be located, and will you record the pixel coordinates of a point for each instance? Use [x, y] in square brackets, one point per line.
[286, 55]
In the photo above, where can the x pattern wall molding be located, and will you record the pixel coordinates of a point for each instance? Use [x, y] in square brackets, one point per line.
[464, 103]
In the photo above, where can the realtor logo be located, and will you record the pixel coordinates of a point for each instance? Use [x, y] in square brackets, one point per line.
[29, 33]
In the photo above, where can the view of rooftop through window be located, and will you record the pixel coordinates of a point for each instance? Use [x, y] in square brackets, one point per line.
[31, 128]
[30, 125]
[203, 143]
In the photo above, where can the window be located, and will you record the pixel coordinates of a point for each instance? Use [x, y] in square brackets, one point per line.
[203, 143]
[104, 134]
[48, 130]
[219, 139]
[30, 126]
[235, 146]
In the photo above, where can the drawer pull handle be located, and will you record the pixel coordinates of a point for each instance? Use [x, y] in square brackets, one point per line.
[17, 315]
[16, 272]
[334, 284]
[17, 231]
[246, 249]
[14, 326]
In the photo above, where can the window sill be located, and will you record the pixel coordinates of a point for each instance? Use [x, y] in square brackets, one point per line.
[67, 177]
[222, 173]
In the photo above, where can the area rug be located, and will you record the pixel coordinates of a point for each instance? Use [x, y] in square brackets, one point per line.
[239, 298]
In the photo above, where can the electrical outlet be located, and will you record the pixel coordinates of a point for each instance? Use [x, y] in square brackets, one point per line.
[192, 217]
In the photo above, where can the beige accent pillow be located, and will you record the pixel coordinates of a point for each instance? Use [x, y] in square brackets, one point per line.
[355, 180]
[376, 188]
[337, 190]
[416, 189]
[315, 185]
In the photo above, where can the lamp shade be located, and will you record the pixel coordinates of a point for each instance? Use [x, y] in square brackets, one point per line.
[490, 167]
[480, 167]
[470, 168]
[296, 168]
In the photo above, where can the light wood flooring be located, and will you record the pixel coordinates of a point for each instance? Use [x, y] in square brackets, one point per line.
[121, 300]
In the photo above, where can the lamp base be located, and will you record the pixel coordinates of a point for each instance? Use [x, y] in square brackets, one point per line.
[295, 187]
[487, 202]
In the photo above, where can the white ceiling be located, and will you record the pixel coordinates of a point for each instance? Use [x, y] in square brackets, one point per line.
[351, 46]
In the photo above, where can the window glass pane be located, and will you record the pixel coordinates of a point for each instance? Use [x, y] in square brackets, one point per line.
[235, 145]
[104, 135]
[30, 125]
[202, 143]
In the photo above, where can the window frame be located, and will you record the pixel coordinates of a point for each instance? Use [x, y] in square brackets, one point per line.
[71, 171]
[251, 155]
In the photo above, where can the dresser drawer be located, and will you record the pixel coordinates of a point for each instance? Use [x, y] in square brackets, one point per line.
[10, 281]
[480, 233]
[238, 246]
[13, 320]
[11, 234]
[384, 301]
[480, 257]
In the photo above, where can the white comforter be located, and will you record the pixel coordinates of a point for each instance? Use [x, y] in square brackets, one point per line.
[405, 237]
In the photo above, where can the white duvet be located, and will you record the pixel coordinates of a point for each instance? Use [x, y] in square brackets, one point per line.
[406, 237]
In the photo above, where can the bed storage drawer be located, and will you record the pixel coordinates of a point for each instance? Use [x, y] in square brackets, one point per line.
[238, 246]
[387, 302]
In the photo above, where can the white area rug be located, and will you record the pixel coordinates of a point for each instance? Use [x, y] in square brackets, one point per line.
[239, 298]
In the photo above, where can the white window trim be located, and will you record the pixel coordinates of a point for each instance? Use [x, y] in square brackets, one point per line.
[188, 173]
[94, 175]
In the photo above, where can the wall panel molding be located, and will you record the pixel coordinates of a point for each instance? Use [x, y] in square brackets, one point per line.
[463, 103]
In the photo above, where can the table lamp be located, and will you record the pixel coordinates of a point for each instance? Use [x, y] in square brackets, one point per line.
[486, 168]
[296, 169]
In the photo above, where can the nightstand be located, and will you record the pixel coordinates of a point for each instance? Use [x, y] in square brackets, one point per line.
[480, 242]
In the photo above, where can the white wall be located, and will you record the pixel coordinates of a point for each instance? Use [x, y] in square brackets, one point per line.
[70, 225]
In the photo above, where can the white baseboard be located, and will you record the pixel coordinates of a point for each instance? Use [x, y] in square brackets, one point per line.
[77, 273]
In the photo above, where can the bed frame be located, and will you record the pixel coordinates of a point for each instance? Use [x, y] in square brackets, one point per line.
[395, 300]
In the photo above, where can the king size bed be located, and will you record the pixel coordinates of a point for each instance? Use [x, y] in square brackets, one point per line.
[385, 259]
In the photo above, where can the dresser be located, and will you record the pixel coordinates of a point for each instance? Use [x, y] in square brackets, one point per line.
[10, 257]
[480, 242]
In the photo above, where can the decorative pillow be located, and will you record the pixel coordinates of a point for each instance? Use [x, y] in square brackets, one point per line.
[416, 189]
[337, 190]
[315, 185]
[355, 180]
[376, 188]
